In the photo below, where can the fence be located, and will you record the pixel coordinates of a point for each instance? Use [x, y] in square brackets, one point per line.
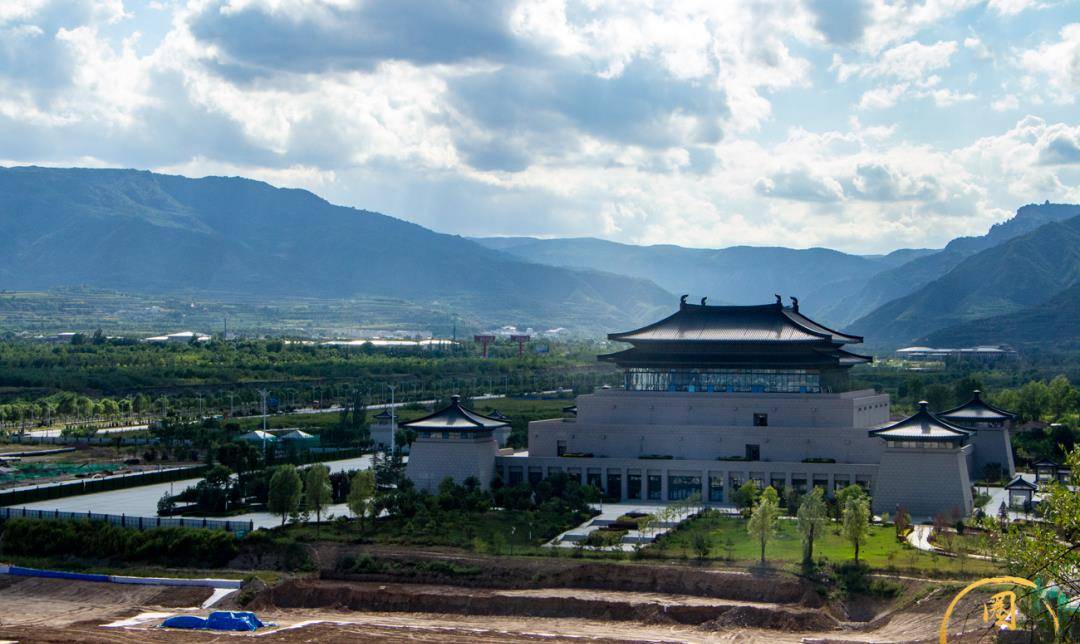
[124, 521]
[104, 484]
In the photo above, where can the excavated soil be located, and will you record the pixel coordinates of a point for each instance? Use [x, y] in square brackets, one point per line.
[544, 602]
[561, 572]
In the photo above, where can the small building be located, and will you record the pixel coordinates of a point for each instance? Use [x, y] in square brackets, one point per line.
[298, 439]
[991, 425]
[455, 443]
[924, 466]
[1049, 471]
[1021, 493]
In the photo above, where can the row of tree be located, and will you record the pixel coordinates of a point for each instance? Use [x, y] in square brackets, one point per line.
[813, 517]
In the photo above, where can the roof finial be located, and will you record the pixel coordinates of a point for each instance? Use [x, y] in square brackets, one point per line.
[703, 300]
[977, 395]
[924, 406]
[682, 300]
[455, 399]
[794, 304]
[779, 302]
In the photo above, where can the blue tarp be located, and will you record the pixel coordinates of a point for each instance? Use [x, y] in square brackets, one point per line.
[217, 621]
[19, 571]
[185, 621]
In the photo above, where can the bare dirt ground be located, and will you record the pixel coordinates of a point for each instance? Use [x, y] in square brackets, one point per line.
[45, 610]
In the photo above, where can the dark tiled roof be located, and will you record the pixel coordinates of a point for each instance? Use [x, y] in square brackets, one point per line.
[384, 415]
[455, 417]
[769, 323]
[976, 410]
[1019, 483]
[922, 426]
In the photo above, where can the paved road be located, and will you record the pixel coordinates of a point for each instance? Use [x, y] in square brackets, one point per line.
[142, 501]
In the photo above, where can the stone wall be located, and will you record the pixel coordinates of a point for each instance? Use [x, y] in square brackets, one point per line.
[433, 459]
[925, 481]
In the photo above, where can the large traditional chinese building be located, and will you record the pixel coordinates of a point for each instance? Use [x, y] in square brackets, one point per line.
[715, 396]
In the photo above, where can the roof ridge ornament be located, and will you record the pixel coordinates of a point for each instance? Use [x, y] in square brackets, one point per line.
[779, 300]
[703, 300]
[682, 300]
[794, 303]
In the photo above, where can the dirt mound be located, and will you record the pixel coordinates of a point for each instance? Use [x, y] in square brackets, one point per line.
[776, 619]
[415, 598]
[539, 572]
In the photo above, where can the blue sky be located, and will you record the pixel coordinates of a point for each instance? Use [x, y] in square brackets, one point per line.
[862, 125]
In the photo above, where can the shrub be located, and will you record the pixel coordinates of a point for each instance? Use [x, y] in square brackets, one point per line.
[173, 546]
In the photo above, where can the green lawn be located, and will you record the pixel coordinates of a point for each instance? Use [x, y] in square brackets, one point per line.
[880, 551]
[494, 530]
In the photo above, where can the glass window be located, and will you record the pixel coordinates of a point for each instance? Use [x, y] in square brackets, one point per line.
[560, 448]
[716, 488]
[753, 452]
[536, 475]
[633, 486]
[654, 487]
[515, 474]
[614, 485]
[445, 435]
[761, 420]
[681, 486]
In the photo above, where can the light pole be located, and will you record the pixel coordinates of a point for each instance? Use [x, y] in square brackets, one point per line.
[393, 422]
[263, 393]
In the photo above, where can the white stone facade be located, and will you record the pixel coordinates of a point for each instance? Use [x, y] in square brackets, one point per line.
[458, 455]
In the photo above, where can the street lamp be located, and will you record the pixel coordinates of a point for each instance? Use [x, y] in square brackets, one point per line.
[393, 423]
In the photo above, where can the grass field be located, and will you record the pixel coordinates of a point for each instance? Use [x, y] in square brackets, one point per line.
[880, 551]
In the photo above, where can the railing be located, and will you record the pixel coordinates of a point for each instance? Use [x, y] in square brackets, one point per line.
[124, 521]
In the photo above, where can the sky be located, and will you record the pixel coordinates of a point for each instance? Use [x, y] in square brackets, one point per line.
[860, 125]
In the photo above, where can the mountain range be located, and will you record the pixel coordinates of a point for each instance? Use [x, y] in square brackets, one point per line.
[141, 232]
[150, 233]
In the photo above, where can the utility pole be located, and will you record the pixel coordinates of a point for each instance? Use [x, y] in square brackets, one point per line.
[263, 393]
[393, 420]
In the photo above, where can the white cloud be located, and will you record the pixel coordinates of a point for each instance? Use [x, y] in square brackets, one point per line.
[1058, 63]
[652, 123]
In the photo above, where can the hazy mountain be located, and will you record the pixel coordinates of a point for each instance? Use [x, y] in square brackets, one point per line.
[738, 275]
[1023, 272]
[143, 232]
[1054, 323]
[908, 277]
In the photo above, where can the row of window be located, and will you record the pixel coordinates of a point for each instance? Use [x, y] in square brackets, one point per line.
[727, 380]
[681, 486]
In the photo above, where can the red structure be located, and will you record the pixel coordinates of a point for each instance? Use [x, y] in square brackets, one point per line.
[521, 340]
[484, 341]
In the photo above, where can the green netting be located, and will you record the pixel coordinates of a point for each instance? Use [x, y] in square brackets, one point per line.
[31, 471]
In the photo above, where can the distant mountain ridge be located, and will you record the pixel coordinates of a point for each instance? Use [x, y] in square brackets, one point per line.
[1023, 272]
[1053, 323]
[908, 277]
[144, 232]
[736, 275]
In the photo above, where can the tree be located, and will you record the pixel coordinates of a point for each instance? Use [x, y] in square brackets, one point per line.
[856, 522]
[361, 494]
[702, 544]
[843, 495]
[746, 496]
[284, 493]
[317, 491]
[813, 517]
[763, 519]
[902, 523]
[1062, 398]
